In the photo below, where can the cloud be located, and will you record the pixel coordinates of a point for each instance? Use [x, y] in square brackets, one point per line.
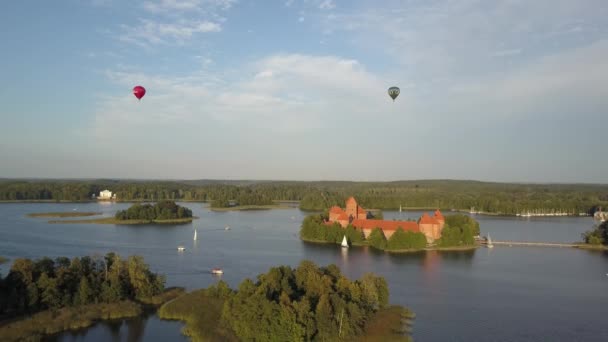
[163, 6]
[283, 90]
[152, 32]
[327, 5]
[508, 52]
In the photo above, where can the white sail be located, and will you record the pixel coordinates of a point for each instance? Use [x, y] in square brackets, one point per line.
[490, 245]
[195, 235]
[344, 242]
[399, 207]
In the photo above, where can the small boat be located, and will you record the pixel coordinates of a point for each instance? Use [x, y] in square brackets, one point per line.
[344, 242]
[195, 235]
[217, 271]
[181, 248]
[490, 245]
[227, 228]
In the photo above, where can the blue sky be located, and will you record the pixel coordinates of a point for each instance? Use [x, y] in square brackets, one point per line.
[491, 90]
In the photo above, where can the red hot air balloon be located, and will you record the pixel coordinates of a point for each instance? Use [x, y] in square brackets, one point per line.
[139, 92]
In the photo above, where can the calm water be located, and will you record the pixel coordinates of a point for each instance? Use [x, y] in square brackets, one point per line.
[503, 294]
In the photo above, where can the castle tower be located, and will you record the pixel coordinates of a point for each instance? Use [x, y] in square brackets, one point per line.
[351, 207]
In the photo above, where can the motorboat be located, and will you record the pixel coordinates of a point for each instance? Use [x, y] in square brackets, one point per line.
[217, 271]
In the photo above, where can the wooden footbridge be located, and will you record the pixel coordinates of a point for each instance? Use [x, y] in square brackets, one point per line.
[530, 244]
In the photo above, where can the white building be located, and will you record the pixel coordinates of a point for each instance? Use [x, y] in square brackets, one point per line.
[106, 194]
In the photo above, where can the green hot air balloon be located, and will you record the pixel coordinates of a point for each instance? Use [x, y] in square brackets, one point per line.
[393, 92]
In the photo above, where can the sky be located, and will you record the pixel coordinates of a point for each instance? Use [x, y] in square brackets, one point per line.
[509, 91]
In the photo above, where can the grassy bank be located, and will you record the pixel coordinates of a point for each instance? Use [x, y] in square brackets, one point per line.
[591, 247]
[397, 251]
[252, 207]
[112, 220]
[66, 214]
[201, 313]
[391, 324]
[51, 322]
[168, 295]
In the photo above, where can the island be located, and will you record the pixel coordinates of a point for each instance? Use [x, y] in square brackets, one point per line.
[46, 296]
[308, 303]
[163, 212]
[64, 214]
[452, 232]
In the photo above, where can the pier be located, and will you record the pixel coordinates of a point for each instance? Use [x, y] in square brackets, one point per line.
[531, 244]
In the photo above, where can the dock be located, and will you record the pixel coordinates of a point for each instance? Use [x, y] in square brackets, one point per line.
[531, 244]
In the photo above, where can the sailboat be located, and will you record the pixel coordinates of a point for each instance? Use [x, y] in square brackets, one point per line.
[489, 244]
[195, 235]
[344, 242]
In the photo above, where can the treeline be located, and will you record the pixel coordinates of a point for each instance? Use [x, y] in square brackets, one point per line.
[459, 230]
[163, 210]
[308, 303]
[35, 285]
[501, 198]
[597, 236]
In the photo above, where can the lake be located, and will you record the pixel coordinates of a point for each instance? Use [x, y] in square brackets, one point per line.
[500, 294]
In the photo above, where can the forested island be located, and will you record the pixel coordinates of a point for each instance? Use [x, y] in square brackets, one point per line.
[46, 296]
[163, 212]
[486, 197]
[458, 233]
[308, 303]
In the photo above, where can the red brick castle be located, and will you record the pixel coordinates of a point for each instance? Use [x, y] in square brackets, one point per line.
[430, 226]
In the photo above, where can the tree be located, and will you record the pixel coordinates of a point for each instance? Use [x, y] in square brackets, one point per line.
[377, 239]
[84, 292]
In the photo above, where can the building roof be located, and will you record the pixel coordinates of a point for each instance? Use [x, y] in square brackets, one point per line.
[336, 210]
[361, 210]
[438, 215]
[342, 216]
[426, 219]
[386, 225]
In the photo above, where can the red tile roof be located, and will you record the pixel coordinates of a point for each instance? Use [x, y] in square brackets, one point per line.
[343, 216]
[336, 210]
[438, 215]
[386, 225]
[426, 219]
[361, 210]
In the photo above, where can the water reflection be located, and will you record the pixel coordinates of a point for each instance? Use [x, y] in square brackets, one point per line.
[132, 329]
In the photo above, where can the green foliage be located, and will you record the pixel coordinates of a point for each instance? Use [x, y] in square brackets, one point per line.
[31, 286]
[401, 240]
[377, 239]
[487, 197]
[598, 236]
[463, 221]
[306, 303]
[456, 236]
[354, 236]
[163, 210]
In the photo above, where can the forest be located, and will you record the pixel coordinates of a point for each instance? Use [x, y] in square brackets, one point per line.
[35, 285]
[162, 210]
[459, 230]
[308, 303]
[497, 198]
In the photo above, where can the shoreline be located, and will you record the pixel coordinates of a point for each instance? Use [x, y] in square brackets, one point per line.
[112, 220]
[50, 322]
[401, 251]
[64, 214]
[251, 207]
